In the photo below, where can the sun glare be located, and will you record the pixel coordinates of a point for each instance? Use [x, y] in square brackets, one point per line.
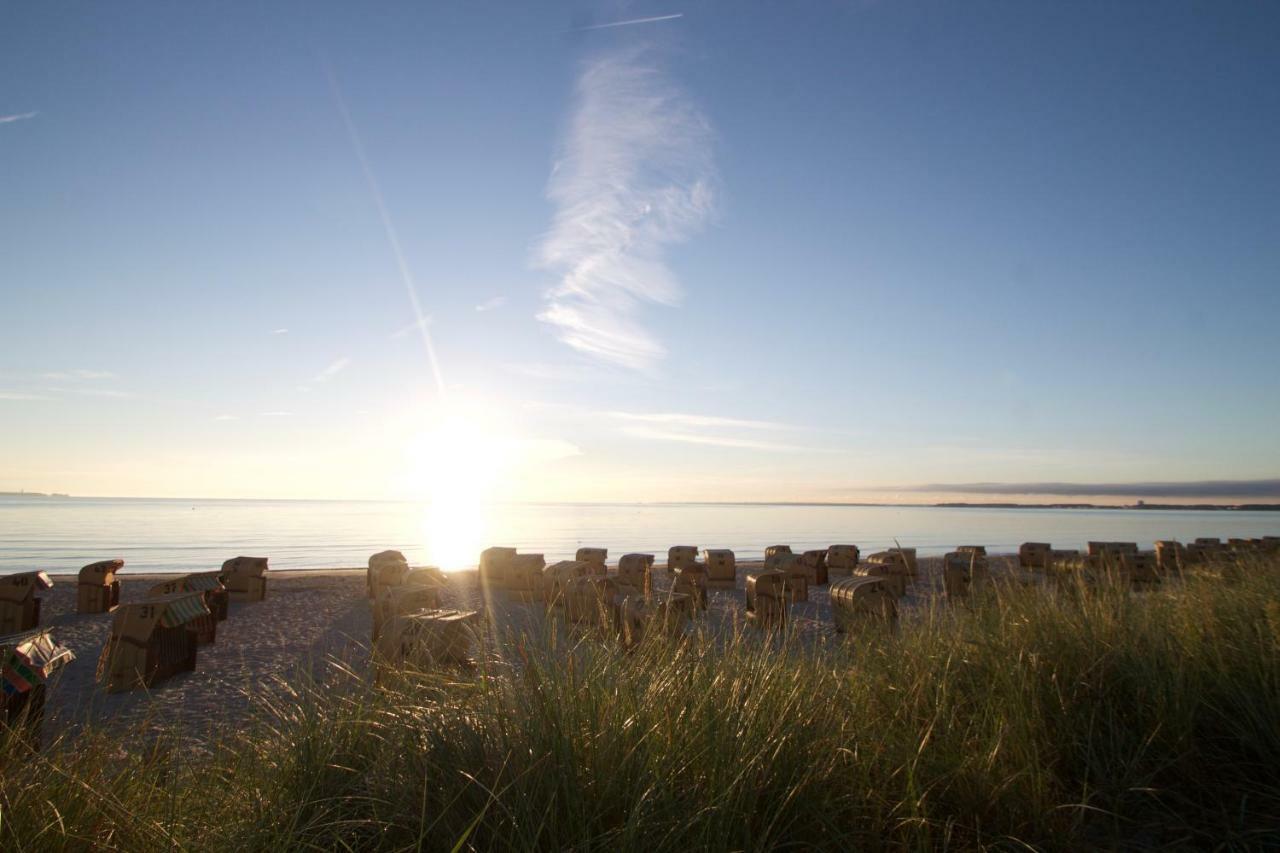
[457, 465]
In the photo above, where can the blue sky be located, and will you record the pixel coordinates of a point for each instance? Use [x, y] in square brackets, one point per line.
[813, 251]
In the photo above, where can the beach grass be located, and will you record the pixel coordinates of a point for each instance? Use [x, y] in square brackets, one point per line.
[1061, 717]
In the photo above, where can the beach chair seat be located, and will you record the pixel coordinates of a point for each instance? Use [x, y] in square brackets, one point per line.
[816, 561]
[19, 604]
[406, 598]
[385, 569]
[245, 578]
[856, 601]
[97, 589]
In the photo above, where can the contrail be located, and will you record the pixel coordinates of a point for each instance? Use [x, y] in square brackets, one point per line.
[406, 275]
[630, 22]
[17, 117]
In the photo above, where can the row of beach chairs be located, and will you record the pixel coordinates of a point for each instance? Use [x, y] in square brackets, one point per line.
[150, 640]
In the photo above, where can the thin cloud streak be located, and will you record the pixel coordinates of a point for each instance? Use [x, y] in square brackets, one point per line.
[629, 23]
[679, 419]
[21, 395]
[279, 331]
[492, 304]
[634, 176]
[17, 117]
[331, 371]
[73, 375]
[713, 440]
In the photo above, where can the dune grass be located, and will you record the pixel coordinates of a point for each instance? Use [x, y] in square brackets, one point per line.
[1064, 719]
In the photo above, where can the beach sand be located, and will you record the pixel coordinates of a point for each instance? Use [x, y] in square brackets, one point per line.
[308, 620]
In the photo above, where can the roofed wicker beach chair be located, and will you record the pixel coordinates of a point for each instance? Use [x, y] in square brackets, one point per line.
[27, 662]
[386, 569]
[904, 557]
[799, 576]
[962, 571]
[524, 576]
[151, 640]
[420, 590]
[495, 567]
[885, 565]
[768, 592]
[556, 578]
[207, 584]
[842, 559]
[97, 590]
[426, 638]
[245, 578]
[681, 555]
[1171, 555]
[591, 600]
[595, 558]
[19, 604]
[857, 601]
[721, 565]
[817, 561]
[1067, 562]
[634, 572]
[1140, 568]
[772, 554]
[639, 617]
[692, 581]
[1034, 555]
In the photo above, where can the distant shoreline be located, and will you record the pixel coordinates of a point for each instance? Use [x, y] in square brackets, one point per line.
[1142, 505]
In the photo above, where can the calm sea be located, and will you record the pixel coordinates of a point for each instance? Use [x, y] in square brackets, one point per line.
[167, 535]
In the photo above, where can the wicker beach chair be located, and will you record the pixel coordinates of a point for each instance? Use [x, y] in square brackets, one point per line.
[1034, 555]
[426, 638]
[679, 556]
[692, 581]
[97, 590]
[245, 578]
[816, 561]
[27, 661]
[19, 604]
[556, 578]
[842, 559]
[962, 571]
[721, 565]
[595, 558]
[634, 572]
[590, 600]
[857, 601]
[207, 584]
[639, 617]
[495, 567]
[773, 553]
[150, 641]
[386, 569]
[768, 594]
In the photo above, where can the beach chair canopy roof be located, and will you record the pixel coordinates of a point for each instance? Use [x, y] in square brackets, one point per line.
[28, 659]
[101, 571]
[20, 586]
[424, 576]
[253, 566]
[195, 582]
[136, 621]
[387, 558]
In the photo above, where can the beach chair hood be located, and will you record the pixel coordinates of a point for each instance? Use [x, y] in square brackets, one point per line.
[29, 659]
[18, 587]
[101, 573]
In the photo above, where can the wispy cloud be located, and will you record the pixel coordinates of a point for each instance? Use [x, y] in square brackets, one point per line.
[77, 375]
[491, 304]
[634, 176]
[331, 371]
[279, 331]
[227, 418]
[715, 440]
[415, 326]
[21, 395]
[702, 429]
[17, 117]
[275, 414]
[630, 22]
[111, 393]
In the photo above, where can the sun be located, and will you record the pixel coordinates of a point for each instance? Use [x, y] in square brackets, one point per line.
[457, 464]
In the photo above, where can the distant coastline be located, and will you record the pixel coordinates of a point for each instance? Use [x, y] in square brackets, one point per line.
[33, 495]
[1138, 505]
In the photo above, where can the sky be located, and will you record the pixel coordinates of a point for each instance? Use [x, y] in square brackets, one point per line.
[677, 251]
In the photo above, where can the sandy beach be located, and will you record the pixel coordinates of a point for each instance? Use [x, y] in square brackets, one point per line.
[310, 619]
